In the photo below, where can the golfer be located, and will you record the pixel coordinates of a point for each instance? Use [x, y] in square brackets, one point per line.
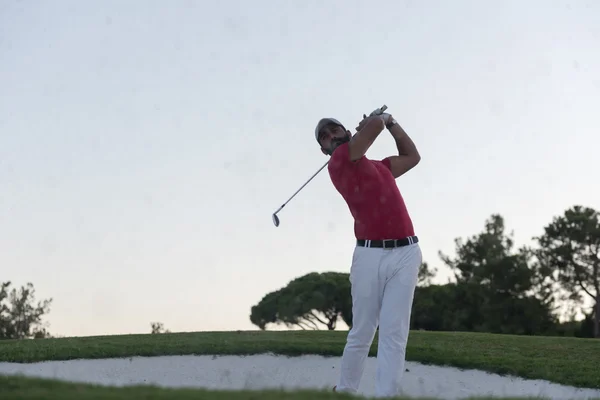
[387, 256]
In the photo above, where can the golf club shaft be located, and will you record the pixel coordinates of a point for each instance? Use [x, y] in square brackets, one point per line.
[301, 187]
[375, 112]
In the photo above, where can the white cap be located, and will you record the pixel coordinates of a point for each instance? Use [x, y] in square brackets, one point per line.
[323, 122]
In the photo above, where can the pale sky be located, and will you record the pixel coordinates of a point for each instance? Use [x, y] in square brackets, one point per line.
[145, 145]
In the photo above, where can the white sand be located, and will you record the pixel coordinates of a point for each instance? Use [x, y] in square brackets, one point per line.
[269, 371]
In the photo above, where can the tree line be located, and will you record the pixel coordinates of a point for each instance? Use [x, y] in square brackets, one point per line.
[495, 286]
[21, 316]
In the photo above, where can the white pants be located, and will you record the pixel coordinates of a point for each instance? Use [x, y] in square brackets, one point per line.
[383, 285]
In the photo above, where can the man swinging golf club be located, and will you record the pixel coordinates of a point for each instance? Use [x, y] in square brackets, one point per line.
[387, 256]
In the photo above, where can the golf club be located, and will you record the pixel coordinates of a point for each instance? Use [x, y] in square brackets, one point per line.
[275, 217]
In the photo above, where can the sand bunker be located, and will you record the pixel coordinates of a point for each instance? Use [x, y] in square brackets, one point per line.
[270, 371]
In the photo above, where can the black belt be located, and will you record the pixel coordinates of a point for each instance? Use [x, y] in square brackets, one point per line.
[389, 243]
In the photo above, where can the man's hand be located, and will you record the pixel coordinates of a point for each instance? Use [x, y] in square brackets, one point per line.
[385, 117]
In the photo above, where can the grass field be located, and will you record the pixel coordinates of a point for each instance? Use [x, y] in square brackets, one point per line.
[568, 361]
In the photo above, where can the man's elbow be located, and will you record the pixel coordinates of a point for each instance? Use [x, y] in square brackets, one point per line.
[412, 162]
[400, 165]
[413, 159]
[416, 159]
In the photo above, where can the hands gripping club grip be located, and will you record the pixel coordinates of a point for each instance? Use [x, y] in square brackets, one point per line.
[377, 111]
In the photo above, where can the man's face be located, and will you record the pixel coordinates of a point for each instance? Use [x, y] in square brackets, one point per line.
[331, 136]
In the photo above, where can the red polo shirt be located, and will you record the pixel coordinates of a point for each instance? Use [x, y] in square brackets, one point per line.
[372, 195]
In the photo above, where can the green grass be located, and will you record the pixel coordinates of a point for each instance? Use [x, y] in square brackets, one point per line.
[569, 361]
[19, 388]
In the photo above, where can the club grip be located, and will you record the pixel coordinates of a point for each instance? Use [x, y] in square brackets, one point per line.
[379, 110]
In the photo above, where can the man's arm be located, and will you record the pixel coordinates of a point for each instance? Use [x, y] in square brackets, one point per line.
[408, 155]
[368, 131]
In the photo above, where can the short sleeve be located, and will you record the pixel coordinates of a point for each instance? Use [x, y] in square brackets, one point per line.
[387, 162]
[340, 159]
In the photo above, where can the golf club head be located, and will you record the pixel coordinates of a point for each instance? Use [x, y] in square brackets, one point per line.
[275, 220]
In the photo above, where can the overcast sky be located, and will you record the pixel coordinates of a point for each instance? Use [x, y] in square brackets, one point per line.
[145, 145]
